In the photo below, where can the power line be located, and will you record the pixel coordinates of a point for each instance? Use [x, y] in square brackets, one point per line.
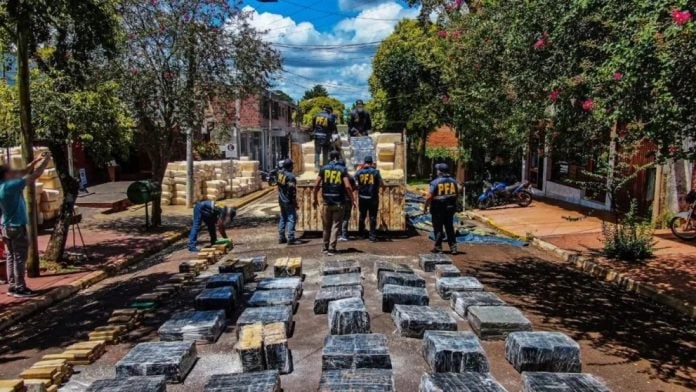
[324, 84]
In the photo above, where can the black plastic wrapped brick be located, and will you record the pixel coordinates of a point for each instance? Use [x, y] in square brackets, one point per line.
[357, 351]
[454, 352]
[350, 279]
[427, 262]
[399, 279]
[328, 294]
[496, 322]
[198, 326]
[267, 315]
[335, 267]
[293, 283]
[562, 382]
[403, 295]
[222, 298]
[357, 380]
[461, 301]
[264, 381]
[460, 382]
[130, 384]
[235, 280]
[412, 320]
[173, 360]
[348, 316]
[446, 286]
[273, 298]
[543, 352]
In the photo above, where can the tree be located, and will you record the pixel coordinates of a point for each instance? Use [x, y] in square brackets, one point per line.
[179, 56]
[315, 92]
[57, 36]
[309, 108]
[407, 81]
[283, 96]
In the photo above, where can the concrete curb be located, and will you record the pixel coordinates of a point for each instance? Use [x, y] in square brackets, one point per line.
[590, 267]
[57, 294]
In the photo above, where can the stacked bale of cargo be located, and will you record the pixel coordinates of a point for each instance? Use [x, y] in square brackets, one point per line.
[389, 159]
[213, 180]
[308, 168]
[247, 178]
[215, 189]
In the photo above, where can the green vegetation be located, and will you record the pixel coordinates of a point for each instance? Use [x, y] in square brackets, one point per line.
[575, 73]
[629, 240]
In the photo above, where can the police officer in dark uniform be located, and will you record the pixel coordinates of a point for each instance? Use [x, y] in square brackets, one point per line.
[205, 211]
[324, 128]
[368, 180]
[360, 123]
[348, 207]
[336, 189]
[287, 200]
[442, 200]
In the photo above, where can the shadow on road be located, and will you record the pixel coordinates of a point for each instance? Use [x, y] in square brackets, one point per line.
[614, 321]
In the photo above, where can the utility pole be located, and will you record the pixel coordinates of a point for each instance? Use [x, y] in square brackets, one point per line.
[189, 167]
[269, 156]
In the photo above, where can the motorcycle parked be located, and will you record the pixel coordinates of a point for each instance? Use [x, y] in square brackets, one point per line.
[500, 194]
[684, 224]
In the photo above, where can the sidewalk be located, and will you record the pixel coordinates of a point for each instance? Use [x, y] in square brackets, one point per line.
[112, 242]
[670, 276]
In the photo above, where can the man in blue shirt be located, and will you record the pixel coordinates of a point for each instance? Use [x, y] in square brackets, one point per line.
[442, 200]
[205, 211]
[287, 200]
[368, 181]
[335, 189]
[15, 219]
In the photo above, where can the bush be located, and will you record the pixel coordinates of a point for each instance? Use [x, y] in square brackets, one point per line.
[631, 239]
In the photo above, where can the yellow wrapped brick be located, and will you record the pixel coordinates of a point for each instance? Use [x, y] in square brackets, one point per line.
[43, 373]
[16, 385]
[287, 267]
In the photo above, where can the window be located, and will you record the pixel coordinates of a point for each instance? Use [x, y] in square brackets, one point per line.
[276, 110]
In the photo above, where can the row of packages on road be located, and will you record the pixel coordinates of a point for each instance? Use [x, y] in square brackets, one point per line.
[49, 192]
[213, 180]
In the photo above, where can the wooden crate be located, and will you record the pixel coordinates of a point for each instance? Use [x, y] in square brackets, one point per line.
[391, 216]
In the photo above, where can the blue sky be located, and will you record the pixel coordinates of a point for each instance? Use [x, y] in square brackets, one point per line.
[301, 30]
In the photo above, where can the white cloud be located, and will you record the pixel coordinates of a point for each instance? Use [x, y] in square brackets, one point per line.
[352, 5]
[343, 71]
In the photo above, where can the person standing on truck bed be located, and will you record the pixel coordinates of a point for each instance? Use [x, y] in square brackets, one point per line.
[442, 200]
[360, 123]
[335, 190]
[368, 180]
[324, 129]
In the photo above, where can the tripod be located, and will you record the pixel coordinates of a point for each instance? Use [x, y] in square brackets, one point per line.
[76, 231]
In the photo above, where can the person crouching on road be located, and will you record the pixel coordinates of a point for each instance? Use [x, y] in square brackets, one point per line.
[348, 207]
[15, 220]
[368, 180]
[287, 200]
[335, 189]
[442, 200]
[206, 212]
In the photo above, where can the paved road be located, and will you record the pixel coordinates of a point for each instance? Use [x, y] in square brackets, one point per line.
[632, 344]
